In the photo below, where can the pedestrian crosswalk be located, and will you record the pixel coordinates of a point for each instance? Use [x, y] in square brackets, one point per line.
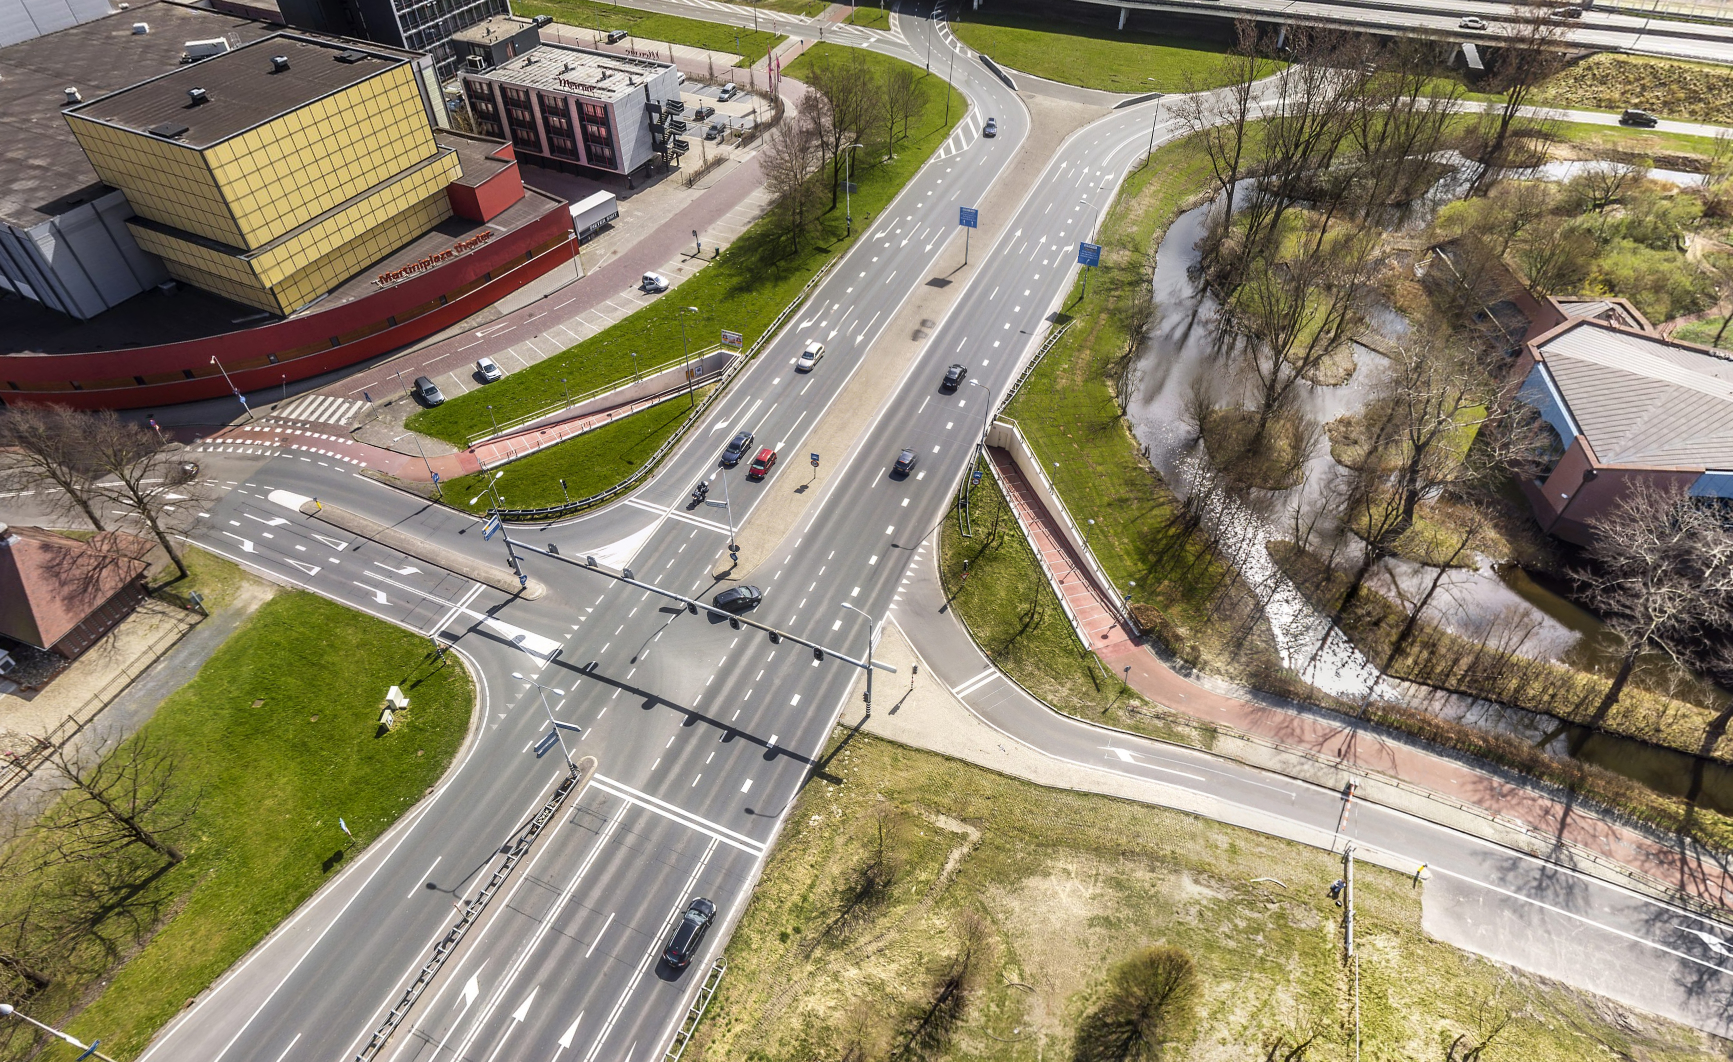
[322, 409]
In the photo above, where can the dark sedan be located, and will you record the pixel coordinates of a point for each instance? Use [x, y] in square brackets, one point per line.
[737, 448]
[738, 599]
[689, 933]
[905, 463]
[954, 377]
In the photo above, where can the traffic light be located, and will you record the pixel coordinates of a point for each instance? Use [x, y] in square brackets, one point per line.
[692, 607]
[775, 638]
[817, 653]
[732, 622]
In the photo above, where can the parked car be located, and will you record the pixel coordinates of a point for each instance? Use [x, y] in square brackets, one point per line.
[714, 132]
[738, 598]
[729, 91]
[1642, 118]
[488, 370]
[616, 36]
[689, 933]
[427, 392]
[736, 449]
[760, 466]
[991, 128]
[954, 377]
[703, 112]
[905, 463]
[809, 357]
[1472, 22]
[653, 283]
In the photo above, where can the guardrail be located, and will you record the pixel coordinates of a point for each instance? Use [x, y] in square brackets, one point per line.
[1029, 369]
[695, 1013]
[561, 434]
[554, 512]
[495, 431]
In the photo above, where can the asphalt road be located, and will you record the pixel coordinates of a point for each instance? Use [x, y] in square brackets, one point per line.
[703, 734]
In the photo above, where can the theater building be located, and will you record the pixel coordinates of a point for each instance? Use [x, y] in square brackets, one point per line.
[288, 206]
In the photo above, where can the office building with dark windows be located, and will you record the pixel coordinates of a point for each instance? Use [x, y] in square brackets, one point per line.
[573, 108]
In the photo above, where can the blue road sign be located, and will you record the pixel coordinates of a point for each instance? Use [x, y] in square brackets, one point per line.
[1089, 254]
[967, 217]
[488, 529]
[815, 460]
[436, 477]
[976, 477]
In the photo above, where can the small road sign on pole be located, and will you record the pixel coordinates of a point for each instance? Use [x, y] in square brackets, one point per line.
[1089, 254]
[815, 460]
[969, 218]
[489, 529]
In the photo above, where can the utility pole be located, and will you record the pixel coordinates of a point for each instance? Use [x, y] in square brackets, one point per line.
[556, 724]
[232, 387]
[1348, 857]
[872, 636]
[1153, 123]
[848, 189]
[686, 357]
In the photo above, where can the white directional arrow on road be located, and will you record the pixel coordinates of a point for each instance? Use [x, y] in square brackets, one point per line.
[246, 543]
[571, 1031]
[407, 569]
[378, 594]
[517, 1017]
[275, 521]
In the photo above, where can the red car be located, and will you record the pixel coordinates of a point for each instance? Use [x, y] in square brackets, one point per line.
[761, 464]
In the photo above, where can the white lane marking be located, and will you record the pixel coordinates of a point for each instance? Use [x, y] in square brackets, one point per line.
[678, 814]
[975, 683]
[649, 955]
[246, 543]
[1124, 756]
[592, 948]
[408, 569]
[417, 888]
[378, 594]
[747, 788]
[286, 1050]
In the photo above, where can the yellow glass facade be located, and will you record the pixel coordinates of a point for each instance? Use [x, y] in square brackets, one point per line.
[298, 203]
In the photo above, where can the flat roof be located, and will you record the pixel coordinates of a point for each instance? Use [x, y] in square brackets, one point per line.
[494, 28]
[43, 171]
[154, 317]
[242, 88]
[563, 68]
[1641, 400]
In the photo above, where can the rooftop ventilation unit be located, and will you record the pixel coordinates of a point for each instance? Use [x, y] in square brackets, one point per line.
[72, 97]
[475, 64]
[197, 96]
[139, 29]
[279, 63]
[350, 56]
[169, 130]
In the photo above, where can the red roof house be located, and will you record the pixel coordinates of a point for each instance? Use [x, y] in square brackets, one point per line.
[60, 594]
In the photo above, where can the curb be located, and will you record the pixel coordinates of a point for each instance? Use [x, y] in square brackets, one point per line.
[487, 574]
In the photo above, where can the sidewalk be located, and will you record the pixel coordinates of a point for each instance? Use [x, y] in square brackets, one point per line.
[1347, 746]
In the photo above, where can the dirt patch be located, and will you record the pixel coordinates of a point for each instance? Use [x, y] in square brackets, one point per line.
[1673, 89]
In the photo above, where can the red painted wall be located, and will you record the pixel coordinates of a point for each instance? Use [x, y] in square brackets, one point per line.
[304, 346]
[485, 201]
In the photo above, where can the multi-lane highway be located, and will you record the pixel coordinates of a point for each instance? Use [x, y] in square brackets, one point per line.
[703, 735]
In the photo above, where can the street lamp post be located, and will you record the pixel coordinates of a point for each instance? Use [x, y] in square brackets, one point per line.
[1152, 124]
[90, 1051]
[494, 419]
[981, 446]
[556, 724]
[686, 356]
[949, 67]
[232, 387]
[848, 188]
[872, 636]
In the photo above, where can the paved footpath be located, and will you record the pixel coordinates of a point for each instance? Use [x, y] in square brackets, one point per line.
[1675, 864]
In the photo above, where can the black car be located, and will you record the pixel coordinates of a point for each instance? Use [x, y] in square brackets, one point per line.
[689, 933]
[905, 463]
[1636, 117]
[736, 449]
[954, 377]
[738, 599]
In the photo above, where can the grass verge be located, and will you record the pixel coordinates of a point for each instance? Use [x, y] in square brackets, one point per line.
[278, 735]
[872, 17]
[651, 27]
[1084, 47]
[892, 852]
[743, 290]
[589, 464]
[1142, 536]
[1671, 88]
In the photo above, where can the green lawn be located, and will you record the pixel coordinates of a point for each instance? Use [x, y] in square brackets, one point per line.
[1014, 616]
[647, 27]
[838, 952]
[1639, 141]
[1703, 332]
[870, 14]
[279, 736]
[590, 463]
[742, 291]
[809, 8]
[1084, 47]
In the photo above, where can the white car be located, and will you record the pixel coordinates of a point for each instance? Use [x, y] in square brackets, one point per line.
[1472, 22]
[809, 357]
[654, 283]
[729, 91]
[488, 370]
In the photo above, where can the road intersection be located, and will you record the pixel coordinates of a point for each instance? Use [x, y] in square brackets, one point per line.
[705, 734]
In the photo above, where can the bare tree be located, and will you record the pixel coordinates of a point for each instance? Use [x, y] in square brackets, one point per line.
[953, 984]
[790, 159]
[852, 103]
[143, 477]
[899, 100]
[47, 450]
[130, 798]
[1661, 576]
[1221, 121]
[1528, 51]
[1149, 1003]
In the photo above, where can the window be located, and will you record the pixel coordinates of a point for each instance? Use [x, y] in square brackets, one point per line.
[1546, 430]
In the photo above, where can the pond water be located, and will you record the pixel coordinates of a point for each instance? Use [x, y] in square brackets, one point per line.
[1179, 353]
